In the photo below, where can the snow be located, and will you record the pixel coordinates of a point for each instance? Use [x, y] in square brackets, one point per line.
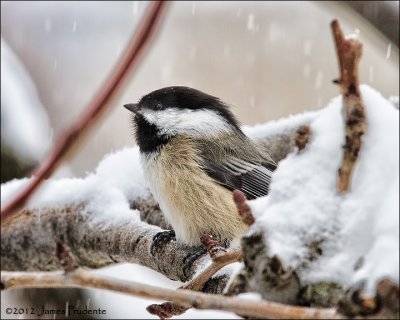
[117, 179]
[253, 296]
[371, 74]
[279, 126]
[74, 24]
[395, 101]
[304, 207]
[233, 270]
[250, 22]
[319, 80]
[307, 47]
[389, 50]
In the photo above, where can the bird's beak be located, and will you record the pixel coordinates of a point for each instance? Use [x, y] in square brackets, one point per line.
[133, 107]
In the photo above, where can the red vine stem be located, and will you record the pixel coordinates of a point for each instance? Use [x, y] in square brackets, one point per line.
[100, 103]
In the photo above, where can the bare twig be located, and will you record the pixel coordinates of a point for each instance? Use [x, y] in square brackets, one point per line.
[243, 208]
[101, 102]
[63, 253]
[214, 249]
[349, 54]
[186, 298]
[385, 304]
[220, 258]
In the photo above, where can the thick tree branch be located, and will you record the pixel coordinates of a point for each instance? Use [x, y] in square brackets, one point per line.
[349, 54]
[29, 242]
[186, 298]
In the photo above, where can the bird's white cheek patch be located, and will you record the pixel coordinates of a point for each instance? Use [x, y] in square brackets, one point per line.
[172, 121]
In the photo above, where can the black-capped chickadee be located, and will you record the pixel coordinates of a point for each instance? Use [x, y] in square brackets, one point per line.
[194, 155]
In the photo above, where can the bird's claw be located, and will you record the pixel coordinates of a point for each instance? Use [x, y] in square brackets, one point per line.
[191, 257]
[160, 239]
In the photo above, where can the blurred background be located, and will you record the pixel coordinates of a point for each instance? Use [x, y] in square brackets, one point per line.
[266, 59]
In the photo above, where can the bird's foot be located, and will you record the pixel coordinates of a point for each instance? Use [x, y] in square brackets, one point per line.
[194, 254]
[161, 239]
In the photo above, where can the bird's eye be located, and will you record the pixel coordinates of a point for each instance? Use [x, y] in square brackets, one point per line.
[158, 106]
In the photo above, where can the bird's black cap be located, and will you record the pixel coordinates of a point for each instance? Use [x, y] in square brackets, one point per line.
[181, 97]
[148, 135]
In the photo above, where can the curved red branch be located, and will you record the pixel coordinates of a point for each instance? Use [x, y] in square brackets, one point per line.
[100, 103]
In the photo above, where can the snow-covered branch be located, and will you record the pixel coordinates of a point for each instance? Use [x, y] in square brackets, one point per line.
[29, 242]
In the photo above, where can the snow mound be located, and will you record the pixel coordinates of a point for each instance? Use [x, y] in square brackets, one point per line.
[117, 179]
[358, 232]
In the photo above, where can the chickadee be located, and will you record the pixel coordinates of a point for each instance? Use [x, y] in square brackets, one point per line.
[194, 155]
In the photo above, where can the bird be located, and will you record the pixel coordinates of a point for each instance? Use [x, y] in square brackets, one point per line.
[194, 155]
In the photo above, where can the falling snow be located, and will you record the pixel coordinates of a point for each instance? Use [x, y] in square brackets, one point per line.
[389, 50]
[307, 46]
[274, 32]
[371, 74]
[135, 8]
[47, 25]
[252, 101]
[319, 102]
[193, 52]
[250, 22]
[318, 80]
[306, 70]
[119, 50]
[227, 50]
[193, 8]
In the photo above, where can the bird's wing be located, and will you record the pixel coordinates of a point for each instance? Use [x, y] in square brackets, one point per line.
[250, 177]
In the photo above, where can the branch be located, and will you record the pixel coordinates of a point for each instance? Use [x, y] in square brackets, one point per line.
[349, 54]
[102, 101]
[243, 208]
[187, 298]
[29, 242]
[302, 136]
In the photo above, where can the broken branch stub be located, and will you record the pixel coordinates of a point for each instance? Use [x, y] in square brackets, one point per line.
[302, 136]
[349, 53]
